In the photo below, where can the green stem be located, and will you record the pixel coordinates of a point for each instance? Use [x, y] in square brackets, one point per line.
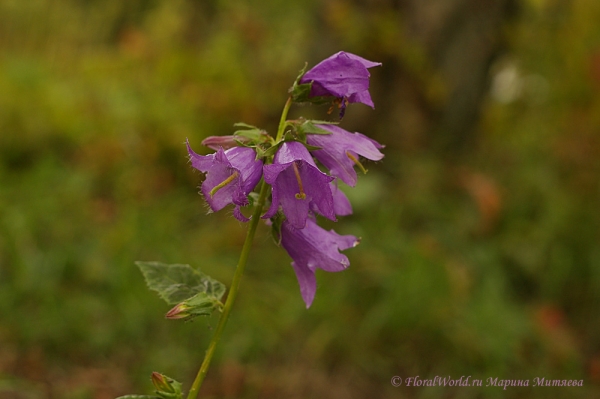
[283, 119]
[232, 293]
[239, 271]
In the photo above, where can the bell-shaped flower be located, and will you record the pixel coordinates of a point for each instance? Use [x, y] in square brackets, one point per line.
[340, 150]
[344, 76]
[298, 185]
[313, 248]
[230, 176]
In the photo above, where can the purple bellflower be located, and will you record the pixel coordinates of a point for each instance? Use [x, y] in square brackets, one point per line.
[230, 175]
[298, 185]
[341, 149]
[314, 248]
[344, 76]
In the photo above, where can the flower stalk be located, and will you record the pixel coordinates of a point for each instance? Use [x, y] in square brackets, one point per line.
[239, 271]
[293, 191]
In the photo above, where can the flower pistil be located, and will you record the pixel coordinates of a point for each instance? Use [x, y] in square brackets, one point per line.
[300, 195]
[356, 161]
[223, 183]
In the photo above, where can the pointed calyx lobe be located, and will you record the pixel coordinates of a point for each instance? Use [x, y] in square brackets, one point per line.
[230, 176]
[298, 185]
[314, 248]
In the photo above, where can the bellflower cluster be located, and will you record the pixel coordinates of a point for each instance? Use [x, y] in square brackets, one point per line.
[299, 189]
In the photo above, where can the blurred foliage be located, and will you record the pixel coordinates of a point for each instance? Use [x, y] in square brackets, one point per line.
[480, 259]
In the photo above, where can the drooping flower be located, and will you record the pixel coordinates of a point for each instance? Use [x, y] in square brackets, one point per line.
[344, 76]
[230, 176]
[341, 149]
[313, 248]
[298, 185]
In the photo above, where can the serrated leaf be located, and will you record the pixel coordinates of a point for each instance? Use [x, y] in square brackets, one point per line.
[176, 283]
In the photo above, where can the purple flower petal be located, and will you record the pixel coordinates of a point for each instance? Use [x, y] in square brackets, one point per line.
[298, 185]
[230, 176]
[341, 204]
[343, 75]
[341, 149]
[314, 248]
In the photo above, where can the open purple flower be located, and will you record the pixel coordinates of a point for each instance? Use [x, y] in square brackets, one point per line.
[340, 151]
[230, 176]
[313, 248]
[298, 185]
[343, 75]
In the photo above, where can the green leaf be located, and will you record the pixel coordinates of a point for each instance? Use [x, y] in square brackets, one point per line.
[177, 283]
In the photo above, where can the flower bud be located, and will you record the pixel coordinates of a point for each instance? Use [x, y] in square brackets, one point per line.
[162, 383]
[180, 311]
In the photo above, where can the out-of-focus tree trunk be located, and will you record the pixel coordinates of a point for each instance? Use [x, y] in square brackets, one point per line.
[460, 40]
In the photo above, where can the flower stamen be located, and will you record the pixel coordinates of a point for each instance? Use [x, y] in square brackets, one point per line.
[301, 195]
[223, 183]
[356, 161]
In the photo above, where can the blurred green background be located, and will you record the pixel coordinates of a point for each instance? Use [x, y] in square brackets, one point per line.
[481, 232]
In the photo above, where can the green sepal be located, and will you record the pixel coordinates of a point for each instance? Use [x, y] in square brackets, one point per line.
[276, 222]
[310, 127]
[312, 147]
[255, 134]
[262, 153]
[179, 283]
[296, 84]
[301, 127]
[253, 198]
[301, 92]
[166, 387]
[200, 304]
